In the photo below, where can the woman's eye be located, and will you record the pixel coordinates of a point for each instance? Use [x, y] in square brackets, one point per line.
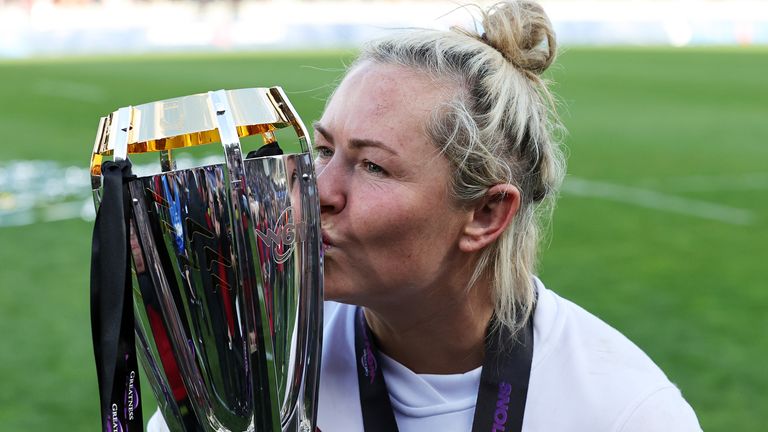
[323, 152]
[373, 168]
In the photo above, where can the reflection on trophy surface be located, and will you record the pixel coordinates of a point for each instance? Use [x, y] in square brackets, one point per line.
[227, 263]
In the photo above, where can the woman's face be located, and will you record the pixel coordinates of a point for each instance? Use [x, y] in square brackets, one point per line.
[390, 228]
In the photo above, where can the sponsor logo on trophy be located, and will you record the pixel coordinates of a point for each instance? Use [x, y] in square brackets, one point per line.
[285, 235]
[210, 276]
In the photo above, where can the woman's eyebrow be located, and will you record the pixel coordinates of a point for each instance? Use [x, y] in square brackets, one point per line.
[322, 131]
[358, 143]
[354, 143]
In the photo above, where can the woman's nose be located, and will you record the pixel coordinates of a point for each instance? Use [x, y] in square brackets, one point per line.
[331, 187]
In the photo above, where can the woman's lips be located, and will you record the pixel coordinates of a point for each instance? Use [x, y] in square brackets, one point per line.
[327, 242]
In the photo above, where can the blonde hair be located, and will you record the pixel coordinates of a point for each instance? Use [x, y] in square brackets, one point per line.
[499, 129]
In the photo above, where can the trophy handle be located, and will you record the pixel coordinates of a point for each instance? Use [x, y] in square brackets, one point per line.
[284, 106]
[119, 127]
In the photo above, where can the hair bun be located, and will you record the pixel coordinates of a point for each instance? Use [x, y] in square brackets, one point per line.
[522, 32]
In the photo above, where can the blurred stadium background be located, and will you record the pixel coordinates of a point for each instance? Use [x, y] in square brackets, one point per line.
[661, 229]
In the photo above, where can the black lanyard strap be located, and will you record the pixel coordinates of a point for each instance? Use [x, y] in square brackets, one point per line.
[503, 388]
[378, 415]
[504, 381]
[112, 305]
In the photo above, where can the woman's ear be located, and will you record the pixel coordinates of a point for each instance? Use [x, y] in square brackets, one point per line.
[490, 217]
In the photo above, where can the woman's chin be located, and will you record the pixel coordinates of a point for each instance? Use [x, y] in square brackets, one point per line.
[336, 297]
[333, 293]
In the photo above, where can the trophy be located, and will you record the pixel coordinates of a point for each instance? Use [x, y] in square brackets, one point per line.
[210, 276]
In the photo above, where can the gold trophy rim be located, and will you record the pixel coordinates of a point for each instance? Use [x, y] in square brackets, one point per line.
[146, 128]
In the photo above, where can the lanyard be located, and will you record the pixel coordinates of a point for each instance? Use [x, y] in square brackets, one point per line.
[503, 382]
[112, 319]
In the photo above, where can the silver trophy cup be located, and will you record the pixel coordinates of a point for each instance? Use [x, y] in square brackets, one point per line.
[227, 264]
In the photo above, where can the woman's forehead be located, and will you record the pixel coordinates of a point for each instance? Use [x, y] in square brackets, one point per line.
[377, 96]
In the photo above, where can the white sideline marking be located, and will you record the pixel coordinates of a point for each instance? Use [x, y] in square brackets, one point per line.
[657, 200]
[68, 210]
[724, 183]
[24, 199]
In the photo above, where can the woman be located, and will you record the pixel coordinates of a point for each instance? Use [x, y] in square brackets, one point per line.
[436, 163]
[436, 157]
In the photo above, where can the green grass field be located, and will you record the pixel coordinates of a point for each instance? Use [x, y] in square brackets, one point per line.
[661, 229]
